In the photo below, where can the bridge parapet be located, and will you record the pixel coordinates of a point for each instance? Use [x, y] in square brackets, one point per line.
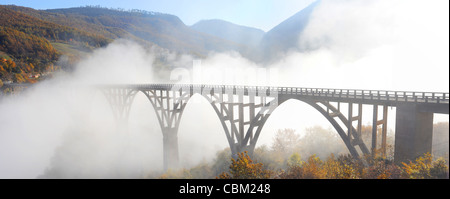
[370, 96]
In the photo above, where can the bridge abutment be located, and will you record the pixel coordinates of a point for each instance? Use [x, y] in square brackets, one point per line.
[413, 133]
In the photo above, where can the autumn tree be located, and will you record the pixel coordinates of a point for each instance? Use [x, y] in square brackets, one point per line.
[245, 168]
[425, 168]
[311, 169]
[380, 168]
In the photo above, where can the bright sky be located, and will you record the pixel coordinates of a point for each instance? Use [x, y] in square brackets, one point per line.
[262, 14]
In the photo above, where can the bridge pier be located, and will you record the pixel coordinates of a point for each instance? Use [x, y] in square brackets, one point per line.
[170, 148]
[236, 149]
[413, 133]
[120, 100]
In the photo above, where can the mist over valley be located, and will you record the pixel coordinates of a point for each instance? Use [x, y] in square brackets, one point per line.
[60, 126]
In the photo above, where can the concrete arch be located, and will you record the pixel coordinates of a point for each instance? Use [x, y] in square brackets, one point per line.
[219, 115]
[345, 137]
[169, 123]
[217, 110]
[169, 107]
[155, 104]
[120, 101]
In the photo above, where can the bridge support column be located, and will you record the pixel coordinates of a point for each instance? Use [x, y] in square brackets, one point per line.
[236, 149]
[170, 148]
[120, 100]
[413, 133]
[169, 104]
[375, 124]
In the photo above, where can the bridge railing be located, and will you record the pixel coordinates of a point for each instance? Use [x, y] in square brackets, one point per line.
[381, 95]
[400, 96]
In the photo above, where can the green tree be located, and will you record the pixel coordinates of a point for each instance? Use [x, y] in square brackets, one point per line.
[222, 161]
[202, 171]
[294, 160]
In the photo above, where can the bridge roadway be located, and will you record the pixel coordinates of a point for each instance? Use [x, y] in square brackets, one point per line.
[243, 111]
[436, 100]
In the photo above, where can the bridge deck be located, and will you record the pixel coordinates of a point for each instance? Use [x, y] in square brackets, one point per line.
[438, 100]
[371, 96]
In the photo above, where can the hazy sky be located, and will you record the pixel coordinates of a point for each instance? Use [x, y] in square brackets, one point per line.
[263, 14]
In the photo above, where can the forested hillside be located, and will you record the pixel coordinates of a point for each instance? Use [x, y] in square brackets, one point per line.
[165, 30]
[41, 37]
[26, 49]
[51, 31]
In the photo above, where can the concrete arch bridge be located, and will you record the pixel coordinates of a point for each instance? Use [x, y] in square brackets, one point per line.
[243, 111]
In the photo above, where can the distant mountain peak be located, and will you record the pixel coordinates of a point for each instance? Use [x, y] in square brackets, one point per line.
[286, 35]
[244, 35]
[223, 22]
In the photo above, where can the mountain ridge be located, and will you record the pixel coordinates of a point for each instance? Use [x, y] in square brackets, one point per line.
[75, 31]
[245, 35]
[286, 35]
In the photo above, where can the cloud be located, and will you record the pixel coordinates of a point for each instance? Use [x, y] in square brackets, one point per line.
[123, 61]
[394, 45]
[57, 130]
